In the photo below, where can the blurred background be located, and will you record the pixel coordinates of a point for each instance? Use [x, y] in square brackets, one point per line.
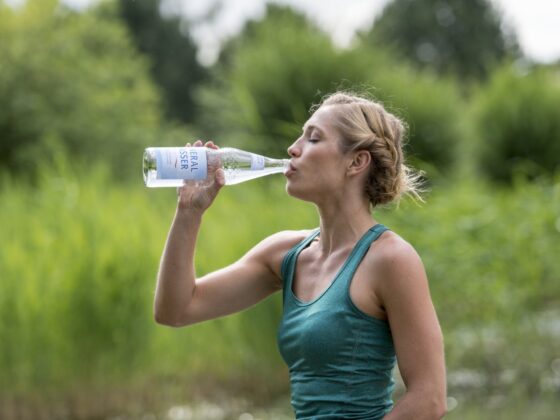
[85, 86]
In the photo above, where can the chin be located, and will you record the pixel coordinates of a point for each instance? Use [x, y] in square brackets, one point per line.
[291, 190]
[297, 193]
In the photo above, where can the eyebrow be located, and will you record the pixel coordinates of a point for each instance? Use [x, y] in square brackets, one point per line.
[313, 127]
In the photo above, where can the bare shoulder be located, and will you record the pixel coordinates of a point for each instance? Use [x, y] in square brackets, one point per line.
[396, 263]
[284, 240]
[391, 249]
[280, 242]
[271, 250]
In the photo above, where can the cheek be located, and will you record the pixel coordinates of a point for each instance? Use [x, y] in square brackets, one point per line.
[331, 170]
[325, 178]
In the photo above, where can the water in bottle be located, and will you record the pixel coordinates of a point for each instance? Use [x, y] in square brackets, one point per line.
[172, 166]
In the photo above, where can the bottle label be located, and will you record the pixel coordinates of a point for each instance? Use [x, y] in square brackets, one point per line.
[181, 163]
[257, 162]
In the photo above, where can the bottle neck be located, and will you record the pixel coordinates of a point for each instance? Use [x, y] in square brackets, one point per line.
[284, 163]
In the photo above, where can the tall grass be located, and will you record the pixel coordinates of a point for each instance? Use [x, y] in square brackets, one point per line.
[78, 264]
[79, 257]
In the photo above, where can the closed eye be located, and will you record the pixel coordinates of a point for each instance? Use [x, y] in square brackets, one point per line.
[313, 140]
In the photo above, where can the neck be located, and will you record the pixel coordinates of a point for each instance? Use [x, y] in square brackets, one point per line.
[343, 223]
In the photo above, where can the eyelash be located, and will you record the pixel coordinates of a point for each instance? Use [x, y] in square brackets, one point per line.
[313, 140]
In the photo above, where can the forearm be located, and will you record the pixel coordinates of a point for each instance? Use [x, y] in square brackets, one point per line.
[418, 406]
[176, 276]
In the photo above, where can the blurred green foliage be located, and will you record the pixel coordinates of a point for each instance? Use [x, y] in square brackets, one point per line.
[172, 55]
[72, 81]
[77, 284]
[453, 37]
[263, 88]
[81, 243]
[74, 89]
[267, 79]
[518, 124]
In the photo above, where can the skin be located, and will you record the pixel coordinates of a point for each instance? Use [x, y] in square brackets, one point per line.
[390, 283]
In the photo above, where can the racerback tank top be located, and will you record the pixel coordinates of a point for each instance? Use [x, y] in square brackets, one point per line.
[339, 358]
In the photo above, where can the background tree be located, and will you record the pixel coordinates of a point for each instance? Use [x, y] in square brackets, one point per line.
[268, 76]
[172, 53]
[517, 124]
[459, 37]
[266, 79]
[72, 81]
[80, 251]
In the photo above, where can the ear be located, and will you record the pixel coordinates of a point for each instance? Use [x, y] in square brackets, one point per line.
[359, 163]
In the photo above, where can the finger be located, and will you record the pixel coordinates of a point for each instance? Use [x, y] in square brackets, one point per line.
[197, 143]
[219, 180]
[188, 145]
[180, 190]
[210, 144]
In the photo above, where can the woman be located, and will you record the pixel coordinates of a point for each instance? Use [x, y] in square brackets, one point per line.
[358, 298]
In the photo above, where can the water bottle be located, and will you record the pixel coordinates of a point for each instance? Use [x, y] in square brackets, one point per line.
[171, 166]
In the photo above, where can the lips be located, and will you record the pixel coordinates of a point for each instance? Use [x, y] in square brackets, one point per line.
[291, 170]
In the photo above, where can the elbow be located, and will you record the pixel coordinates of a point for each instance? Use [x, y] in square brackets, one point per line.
[431, 406]
[161, 320]
[438, 407]
[169, 320]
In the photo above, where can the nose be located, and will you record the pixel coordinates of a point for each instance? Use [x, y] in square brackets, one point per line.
[294, 149]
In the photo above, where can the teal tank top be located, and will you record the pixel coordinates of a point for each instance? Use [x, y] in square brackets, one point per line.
[339, 358]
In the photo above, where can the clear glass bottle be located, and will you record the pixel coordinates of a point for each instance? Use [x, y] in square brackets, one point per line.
[171, 166]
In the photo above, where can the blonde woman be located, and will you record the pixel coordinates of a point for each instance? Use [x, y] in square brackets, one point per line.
[356, 296]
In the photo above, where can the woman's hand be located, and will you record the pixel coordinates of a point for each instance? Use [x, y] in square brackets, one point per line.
[198, 196]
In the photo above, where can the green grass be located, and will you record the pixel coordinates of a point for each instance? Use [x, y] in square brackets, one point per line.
[79, 259]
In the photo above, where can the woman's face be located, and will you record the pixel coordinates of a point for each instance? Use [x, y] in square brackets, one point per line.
[317, 165]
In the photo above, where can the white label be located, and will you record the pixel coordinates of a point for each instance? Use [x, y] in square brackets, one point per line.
[181, 163]
[257, 162]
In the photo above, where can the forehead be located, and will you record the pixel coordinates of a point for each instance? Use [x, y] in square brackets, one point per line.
[322, 119]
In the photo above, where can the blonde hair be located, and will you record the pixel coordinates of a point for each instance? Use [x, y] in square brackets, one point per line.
[364, 124]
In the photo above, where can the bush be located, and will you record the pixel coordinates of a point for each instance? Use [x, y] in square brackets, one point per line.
[78, 278]
[72, 81]
[431, 106]
[516, 117]
[270, 76]
[489, 252]
[78, 274]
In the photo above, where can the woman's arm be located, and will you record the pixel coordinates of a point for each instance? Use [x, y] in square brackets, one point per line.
[176, 276]
[182, 299]
[417, 335]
